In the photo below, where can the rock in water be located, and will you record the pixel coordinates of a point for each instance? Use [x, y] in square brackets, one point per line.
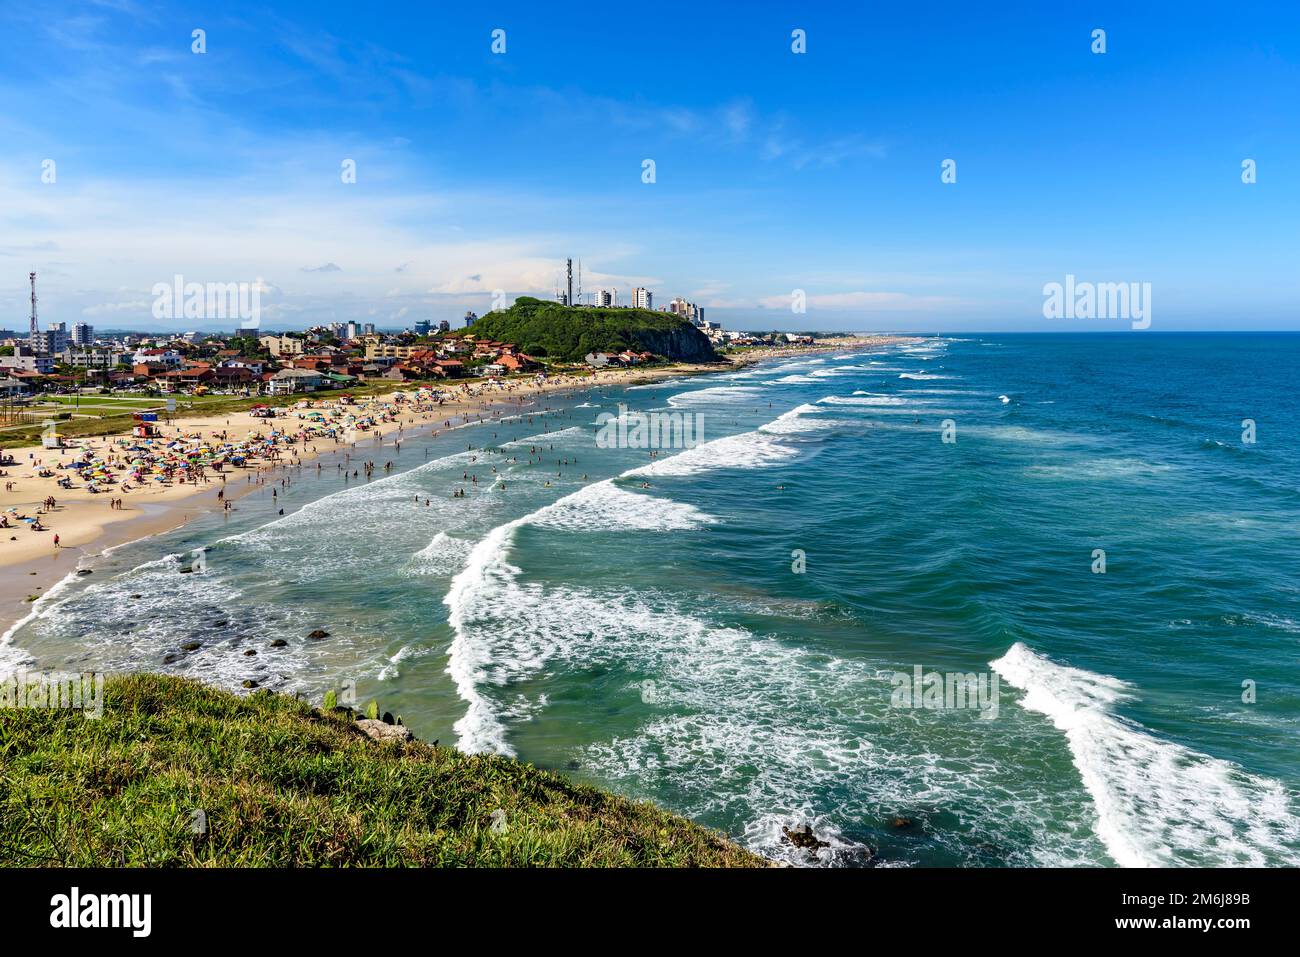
[801, 835]
[279, 643]
[318, 634]
[380, 731]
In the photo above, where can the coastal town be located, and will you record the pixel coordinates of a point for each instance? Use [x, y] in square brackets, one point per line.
[94, 427]
[249, 362]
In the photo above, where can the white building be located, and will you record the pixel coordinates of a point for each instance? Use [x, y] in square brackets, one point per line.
[83, 334]
[52, 340]
[606, 297]
[281, 345]
[96, 359]
[25, 360]
[642, 298]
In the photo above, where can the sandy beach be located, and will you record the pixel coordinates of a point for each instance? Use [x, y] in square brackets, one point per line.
[86, 522]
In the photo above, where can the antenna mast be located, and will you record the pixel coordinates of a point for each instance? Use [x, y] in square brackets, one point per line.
[34, 328]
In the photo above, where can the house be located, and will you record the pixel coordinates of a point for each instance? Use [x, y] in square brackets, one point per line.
[25, 360]
[317, 363]
[10, 387]
[255, 366]
[190, 377]
[516, 362]
[170, 358]
[289, 381]
[281, 345]
[233, 377]
[451, 368]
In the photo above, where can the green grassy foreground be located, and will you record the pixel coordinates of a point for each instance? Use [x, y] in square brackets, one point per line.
[284, 784]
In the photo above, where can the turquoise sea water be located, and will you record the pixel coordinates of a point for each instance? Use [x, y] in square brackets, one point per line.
[659, 642]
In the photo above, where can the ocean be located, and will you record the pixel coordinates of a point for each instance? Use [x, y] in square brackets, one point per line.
[1102, 530]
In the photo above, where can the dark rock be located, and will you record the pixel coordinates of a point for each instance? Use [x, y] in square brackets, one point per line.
[250, 683]
[220, 624]
[388, 718]
[192, 646]
[318, 634]
[801, 835]
[902, 822]
[186, 571]
[279, 643]
[84, 571]
[137, 595]
[249, 653]
[169, 658]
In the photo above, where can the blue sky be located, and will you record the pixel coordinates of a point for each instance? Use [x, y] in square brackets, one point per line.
[774, 171]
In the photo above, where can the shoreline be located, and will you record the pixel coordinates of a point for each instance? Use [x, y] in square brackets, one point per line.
[88, 528]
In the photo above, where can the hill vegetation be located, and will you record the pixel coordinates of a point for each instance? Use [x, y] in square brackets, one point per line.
[282, 784]
[548, 329]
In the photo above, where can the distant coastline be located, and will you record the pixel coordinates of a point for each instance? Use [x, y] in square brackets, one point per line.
[88, 527]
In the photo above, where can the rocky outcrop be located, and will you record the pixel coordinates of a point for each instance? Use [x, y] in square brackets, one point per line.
[383, 732]
[683, 344]
[801, 835]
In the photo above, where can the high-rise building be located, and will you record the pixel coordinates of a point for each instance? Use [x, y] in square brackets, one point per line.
[53, 340]
[444, 326]
[687, 310]
[642, 298]
[83, 334]
[470, 318]
[368, 329]
[351, 331]
[606, 297]
[423, 327]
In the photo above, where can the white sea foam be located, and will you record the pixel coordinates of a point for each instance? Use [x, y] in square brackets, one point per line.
[803, 379]
[743, 451]
[606, 507]
[1100, 469]
[478, 590]
[805, 418]
[863, 398]
[718, 395]
[1157, 802]
[444, 555]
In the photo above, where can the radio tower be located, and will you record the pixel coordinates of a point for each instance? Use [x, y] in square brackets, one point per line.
[34, 329]
[568, 265]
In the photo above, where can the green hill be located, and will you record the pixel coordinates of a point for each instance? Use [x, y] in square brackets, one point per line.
[549, 329]
[282, 784]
